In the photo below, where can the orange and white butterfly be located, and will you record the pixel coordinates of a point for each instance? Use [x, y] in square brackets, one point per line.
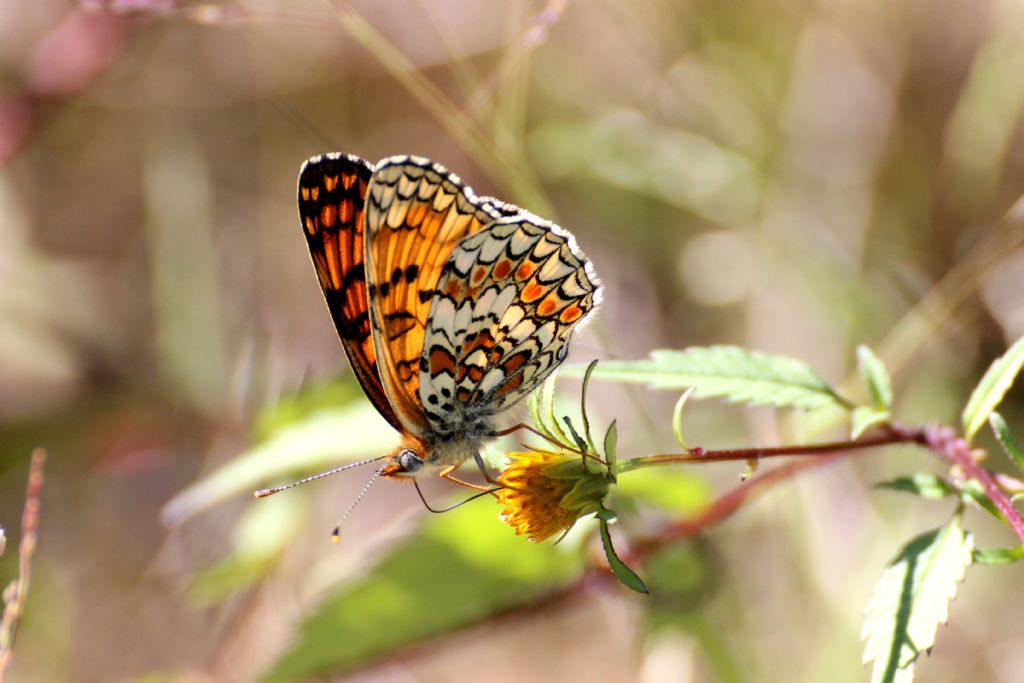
[451, 307]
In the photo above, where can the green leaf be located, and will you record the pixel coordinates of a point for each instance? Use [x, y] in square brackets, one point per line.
[911, 599]
[971, 490]
[864, 418]
[1007, 440]
[577, 439]
[626, 576]
[991, 389]
[583, 406]
[542, 410]
[463, 568]
[876, 378]
[320, 441]
[611, 439]
[533, 404]
[927, 486]
[999, 555]
[730, 372]
[933, 488]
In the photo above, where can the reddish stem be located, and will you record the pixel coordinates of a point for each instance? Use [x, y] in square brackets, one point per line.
[892, 435]
[946, 443]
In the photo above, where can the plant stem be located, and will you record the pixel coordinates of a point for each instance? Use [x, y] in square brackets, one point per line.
[16, 593]
[946, 443]
[892, 435]
[941, 440]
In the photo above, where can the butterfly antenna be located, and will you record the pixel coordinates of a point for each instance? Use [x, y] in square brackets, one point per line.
[456, 505]
[263, 493]
[336, 534]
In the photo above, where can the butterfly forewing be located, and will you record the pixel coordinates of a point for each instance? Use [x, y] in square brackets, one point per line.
[332, 190]
[416, 215]
[500, 320]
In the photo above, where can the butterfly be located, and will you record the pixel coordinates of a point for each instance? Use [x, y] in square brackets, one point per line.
[451, 308]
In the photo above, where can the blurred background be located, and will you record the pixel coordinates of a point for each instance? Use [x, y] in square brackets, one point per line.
[794, 177]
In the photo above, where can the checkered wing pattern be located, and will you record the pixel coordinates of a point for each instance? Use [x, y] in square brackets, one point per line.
[416, 215]
[505, 306]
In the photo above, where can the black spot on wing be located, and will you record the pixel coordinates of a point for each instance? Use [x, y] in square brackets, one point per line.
[400, 323]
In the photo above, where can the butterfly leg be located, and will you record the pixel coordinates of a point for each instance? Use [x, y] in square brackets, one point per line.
[482, 466]
[446, 473]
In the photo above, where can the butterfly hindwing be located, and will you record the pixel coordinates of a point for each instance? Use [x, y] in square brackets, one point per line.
[416, 214]
[500, 321]
[332, 190]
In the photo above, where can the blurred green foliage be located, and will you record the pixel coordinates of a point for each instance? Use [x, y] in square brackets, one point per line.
[457, 571]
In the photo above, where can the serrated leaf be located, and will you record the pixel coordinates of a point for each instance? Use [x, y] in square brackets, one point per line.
[864, 418]
[911, 599]
[999, 555]
[991, 389]
[1007, 440]
[876, 378]
[626, 576]
[729, 372]
[927, 486]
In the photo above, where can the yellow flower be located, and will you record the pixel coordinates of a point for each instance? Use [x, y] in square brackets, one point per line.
[547, 492]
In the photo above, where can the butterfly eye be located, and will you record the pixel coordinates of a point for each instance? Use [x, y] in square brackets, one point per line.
[409, 462]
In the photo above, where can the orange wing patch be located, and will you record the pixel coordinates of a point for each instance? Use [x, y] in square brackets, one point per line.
[332, 192]
[416, 214]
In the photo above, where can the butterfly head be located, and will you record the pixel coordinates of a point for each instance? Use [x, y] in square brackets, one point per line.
[406, 461]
